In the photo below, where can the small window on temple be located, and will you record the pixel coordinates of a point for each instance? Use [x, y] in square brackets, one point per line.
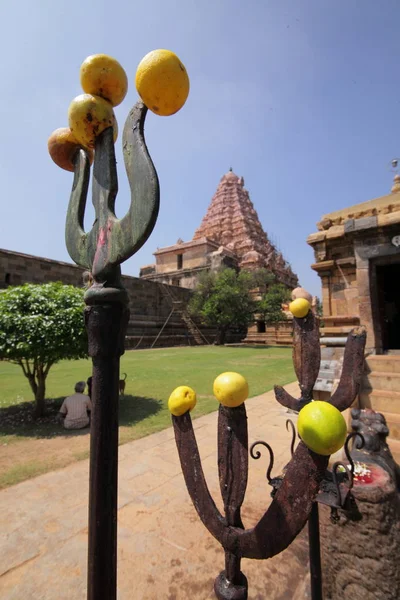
[7, 278]
[179, 261]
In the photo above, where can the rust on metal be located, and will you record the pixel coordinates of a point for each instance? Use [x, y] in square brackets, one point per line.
[256, 454]
[305, 478]
[290, 508]
[233, 469]
[350, 379]
[306, 353]
[290, 425]
[194, 476]
[353, 366]
[306, 361]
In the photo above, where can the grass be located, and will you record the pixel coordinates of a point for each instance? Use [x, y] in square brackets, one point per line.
[151, 376]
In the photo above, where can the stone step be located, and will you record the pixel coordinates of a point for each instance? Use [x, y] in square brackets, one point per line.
[336, 330]
[384, 362]
[393, 423]
[381, 400]
[269, 339]
[394, 446]
[132, 343]
[382, 380]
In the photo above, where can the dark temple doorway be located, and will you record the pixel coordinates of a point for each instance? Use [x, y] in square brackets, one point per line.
[388, 292]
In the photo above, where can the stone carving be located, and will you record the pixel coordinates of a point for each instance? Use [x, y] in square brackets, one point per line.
[360, 553]
[363, 210]
[372, 425]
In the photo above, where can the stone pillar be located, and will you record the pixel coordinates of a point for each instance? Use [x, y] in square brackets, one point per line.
[326, 294]
[361, 555]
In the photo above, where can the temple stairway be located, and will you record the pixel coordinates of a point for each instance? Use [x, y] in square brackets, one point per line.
[381, 392]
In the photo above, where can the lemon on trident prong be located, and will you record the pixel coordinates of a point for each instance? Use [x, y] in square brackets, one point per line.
[102, 75]
[300, 307]
[182, 399]
[322, 427]
[162, 82]
[231, 389]
[88, 116]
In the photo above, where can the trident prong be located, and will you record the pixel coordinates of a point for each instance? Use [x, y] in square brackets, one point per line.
[111, 241]
[293, 501]
[307, 360]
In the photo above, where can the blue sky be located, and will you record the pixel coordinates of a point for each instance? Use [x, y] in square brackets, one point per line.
[300, 97]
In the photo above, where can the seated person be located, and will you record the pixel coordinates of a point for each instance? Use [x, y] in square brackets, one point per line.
[75, 408]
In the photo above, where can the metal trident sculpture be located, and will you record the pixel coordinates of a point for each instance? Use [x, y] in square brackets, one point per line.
[110, 242]
[293, 501]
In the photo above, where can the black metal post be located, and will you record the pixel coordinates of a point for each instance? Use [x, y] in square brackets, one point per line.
[106, 325]
[109, 243]
[232, 584]
[315, 554]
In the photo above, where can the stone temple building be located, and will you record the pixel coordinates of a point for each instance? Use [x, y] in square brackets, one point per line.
[357, 256]
[230, 234]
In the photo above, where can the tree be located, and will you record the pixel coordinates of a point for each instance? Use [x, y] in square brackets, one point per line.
[270, 305]
[318, 307]
[263, 279]
[39, 326]
[223, 299]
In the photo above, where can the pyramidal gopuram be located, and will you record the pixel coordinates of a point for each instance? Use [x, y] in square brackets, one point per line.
[232, 221]
[230, 234]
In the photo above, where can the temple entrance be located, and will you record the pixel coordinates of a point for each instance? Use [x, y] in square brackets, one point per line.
[260, 326]
[388, 295]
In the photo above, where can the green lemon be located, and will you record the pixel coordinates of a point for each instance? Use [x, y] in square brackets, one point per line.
[322, 427]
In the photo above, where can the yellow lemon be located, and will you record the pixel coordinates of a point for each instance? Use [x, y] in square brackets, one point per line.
[88, 116]
[182, 399]
[162, 82]
[102, 75]
[299, 307]
[231, 389]
[322, 427]
[63, 146]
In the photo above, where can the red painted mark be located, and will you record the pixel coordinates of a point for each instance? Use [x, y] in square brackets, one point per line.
[366, 478]
[371, 475]
[102, 237]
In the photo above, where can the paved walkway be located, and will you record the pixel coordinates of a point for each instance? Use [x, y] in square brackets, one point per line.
[164, 552]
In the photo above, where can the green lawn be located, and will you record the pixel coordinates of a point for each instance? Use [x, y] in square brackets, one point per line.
[151, 376]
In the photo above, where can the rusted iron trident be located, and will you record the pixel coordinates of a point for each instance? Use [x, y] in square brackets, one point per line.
[293, 501]
[109, 243]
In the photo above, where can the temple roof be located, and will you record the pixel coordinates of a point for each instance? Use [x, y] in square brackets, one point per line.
[231, 220]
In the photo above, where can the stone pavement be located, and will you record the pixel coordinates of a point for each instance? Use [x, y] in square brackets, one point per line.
[164, 551]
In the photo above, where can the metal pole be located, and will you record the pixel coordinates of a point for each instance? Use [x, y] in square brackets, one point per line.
[106, 327]
[109, 243]
[315, 554]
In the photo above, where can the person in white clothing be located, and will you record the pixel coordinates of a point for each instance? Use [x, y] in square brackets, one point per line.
[75, 409]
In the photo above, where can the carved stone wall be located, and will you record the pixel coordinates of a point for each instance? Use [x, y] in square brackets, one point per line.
[348, 247]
